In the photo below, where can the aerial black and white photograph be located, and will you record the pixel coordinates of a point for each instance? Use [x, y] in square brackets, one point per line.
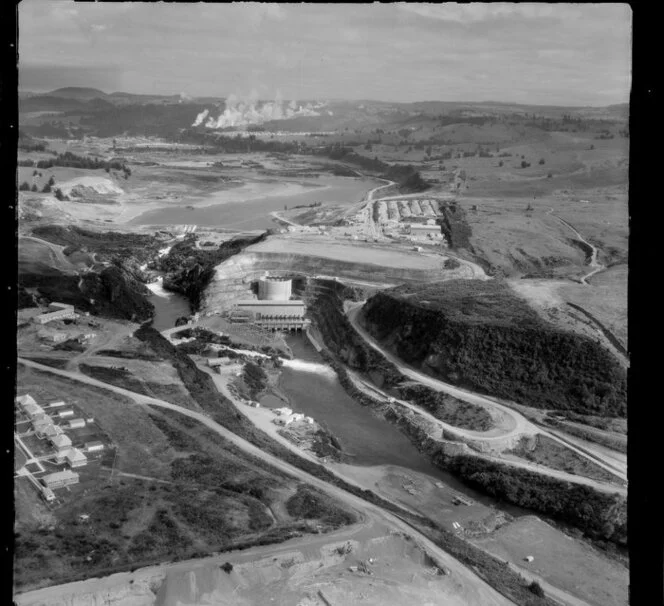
[321, 304]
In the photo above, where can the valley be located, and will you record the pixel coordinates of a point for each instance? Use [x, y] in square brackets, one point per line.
[463, 360]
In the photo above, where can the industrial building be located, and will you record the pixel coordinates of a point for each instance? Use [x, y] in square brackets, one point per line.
[420, 230]
[76, 423]
[94, 446]
[60, 479]
[274, 289]
[274, 315]
[57, 311]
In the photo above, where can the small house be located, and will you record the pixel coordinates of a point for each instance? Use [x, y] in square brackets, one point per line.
[76, 423]
[63, 414]
[94, 446]
[48, 495]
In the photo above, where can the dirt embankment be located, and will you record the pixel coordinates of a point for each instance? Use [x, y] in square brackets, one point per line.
[232, 278]
[480, 336]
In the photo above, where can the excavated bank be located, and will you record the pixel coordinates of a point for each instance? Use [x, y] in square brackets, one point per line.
[232, 279]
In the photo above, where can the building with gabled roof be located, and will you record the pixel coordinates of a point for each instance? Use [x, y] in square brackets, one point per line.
[25, 399]
[59, 479]
[74, 457]
[61, 441]
[33, 410]
[50, 431]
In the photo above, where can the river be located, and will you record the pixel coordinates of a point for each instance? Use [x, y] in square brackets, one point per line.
[312, 387]
[168, 306]
[249, 206]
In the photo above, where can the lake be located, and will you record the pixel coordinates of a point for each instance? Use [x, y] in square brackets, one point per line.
[249, 206]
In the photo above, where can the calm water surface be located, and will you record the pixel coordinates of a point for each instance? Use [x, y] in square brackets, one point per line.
[254, 213]
[313, 388]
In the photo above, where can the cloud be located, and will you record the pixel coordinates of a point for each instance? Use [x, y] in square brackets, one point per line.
[389, 51]
[476, 11]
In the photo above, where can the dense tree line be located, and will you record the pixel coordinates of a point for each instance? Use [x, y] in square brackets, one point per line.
[72, 160]
[598, 514]
[481, 336]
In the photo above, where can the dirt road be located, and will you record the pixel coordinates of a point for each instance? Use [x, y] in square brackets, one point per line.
[596, 265]
[476, 591]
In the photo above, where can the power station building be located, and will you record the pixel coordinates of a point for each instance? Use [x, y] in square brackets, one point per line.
[274, 315]
[273, 310]
[275, 289]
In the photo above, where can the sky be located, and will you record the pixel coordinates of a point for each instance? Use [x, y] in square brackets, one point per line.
[545, 54]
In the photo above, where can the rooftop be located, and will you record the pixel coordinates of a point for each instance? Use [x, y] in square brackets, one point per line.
[66, 474]
[266, 303]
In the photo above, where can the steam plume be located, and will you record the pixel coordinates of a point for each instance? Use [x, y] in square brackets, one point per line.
[240, 114]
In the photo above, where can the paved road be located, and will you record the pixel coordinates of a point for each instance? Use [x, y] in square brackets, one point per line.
[477, 590]
[510, 424]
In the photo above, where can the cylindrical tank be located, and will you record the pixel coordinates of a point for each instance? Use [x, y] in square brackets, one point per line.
[274, 289]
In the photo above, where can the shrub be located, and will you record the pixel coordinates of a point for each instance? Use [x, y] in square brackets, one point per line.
[536, 588]
[25, 186]
[541, 161]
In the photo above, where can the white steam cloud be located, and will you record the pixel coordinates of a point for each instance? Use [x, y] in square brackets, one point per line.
[248, 112]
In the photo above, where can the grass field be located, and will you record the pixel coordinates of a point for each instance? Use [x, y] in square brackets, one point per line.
[176, 490]
[569, 564]
[545, 451]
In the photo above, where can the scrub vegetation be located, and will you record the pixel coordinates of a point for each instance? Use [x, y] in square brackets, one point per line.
[478, 334]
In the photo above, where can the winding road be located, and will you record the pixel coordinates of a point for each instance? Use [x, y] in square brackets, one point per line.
[476, 590]
[509, 424]
[594, 263]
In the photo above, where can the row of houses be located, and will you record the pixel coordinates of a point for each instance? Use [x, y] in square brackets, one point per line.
[63, 450]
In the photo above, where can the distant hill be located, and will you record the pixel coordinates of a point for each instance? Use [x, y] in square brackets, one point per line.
[79, 93]
[40, 103]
